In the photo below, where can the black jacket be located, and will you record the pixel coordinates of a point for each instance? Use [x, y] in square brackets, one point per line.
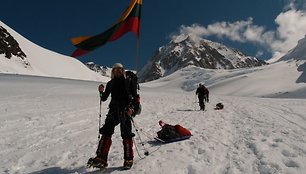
[202, 92]
[123, 92]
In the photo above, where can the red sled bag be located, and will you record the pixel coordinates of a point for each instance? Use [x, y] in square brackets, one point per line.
[181, 130]
[170, 133]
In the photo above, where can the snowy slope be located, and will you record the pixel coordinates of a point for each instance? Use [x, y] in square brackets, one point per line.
[43, 62]
[298, 52]
[276, 80]
[45, 128]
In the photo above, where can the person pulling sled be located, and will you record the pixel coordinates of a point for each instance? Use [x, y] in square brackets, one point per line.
[123, 105]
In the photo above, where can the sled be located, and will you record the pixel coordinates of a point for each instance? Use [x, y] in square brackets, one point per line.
[173, 140]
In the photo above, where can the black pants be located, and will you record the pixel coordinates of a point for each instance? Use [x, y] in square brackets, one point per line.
[201, 103]
[114, 117]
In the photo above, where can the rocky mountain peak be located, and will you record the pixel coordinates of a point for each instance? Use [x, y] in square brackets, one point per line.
[185, 50]
[98, 68]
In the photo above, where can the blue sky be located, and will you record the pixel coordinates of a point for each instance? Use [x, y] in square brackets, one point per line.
[262, 28]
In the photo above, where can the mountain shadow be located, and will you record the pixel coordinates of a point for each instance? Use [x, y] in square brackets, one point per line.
[302, 78]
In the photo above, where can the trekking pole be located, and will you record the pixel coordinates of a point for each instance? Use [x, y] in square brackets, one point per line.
[101, 89]
[195, 102]
[137, 149]
[146, 153]
[99, 120]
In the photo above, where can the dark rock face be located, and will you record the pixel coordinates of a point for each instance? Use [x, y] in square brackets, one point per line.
[9, 46]
[97, 68]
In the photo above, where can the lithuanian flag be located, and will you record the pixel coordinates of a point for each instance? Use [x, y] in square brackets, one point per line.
[129, 21]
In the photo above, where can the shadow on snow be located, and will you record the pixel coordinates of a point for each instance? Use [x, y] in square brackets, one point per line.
[58, 170]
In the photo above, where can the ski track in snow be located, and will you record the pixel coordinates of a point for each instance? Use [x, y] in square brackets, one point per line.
[55, 130]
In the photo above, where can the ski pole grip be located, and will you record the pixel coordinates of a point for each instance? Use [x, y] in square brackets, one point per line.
[101, 88]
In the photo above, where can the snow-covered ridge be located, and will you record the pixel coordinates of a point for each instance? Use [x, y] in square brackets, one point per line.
[43, 62]
[298, 52]
[282, 79]
[103, 70]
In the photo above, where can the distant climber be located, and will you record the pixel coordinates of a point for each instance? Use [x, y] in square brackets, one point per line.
[203, 96]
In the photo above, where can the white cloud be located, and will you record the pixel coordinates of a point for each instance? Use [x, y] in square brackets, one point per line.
[291, 25]
[291, 28]
[259, 53]
[295, 4]
[233, 31]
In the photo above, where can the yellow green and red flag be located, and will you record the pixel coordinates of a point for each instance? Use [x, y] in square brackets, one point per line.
[129, 21]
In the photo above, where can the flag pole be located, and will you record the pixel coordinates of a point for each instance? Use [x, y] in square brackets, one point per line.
[137, 55]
